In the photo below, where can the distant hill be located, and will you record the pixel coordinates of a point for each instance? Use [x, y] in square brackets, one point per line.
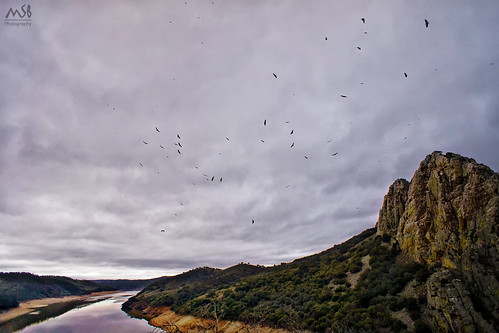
[429, 265]
[19, 287]
[125, 284]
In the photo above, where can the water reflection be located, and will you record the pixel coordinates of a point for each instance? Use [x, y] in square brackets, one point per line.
[97, 314]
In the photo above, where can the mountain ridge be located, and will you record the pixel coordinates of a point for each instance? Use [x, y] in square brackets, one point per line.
[435, 236]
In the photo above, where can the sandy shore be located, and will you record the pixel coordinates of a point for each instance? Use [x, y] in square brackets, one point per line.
[36, 304]
[172, 322]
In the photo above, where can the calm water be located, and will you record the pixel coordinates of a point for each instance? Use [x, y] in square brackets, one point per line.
[105, 315]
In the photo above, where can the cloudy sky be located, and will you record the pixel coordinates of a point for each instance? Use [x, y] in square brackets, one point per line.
[83, 89]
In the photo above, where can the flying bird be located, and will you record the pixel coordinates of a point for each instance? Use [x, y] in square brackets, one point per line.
[335, 154]
[426, 22]
[220, 179]
[275, 75]
[157, 129]
[226, 138]
[252, 221]
[286, 186]
[262, 141]
[162, 147]
[292, 145]
[325, 38]
[291, 132]
[405, 74]
[162, 230]
[179, 144]
[343, 96]
[359, 47]
[141, 164]
[178, 150]
[329, 140]
[265, 122]
[212, 178]
[363, 20]
[145, 142]
[178, 136]
[306, 157]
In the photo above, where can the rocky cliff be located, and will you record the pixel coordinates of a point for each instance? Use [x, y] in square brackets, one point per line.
[447, 217]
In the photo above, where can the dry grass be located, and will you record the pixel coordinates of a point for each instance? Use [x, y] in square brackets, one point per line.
[173, 322]
[353, 278]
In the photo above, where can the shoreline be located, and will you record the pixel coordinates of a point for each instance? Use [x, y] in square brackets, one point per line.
[166, 319]
[36, 304]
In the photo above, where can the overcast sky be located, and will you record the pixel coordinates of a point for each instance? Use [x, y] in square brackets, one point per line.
[86, 84]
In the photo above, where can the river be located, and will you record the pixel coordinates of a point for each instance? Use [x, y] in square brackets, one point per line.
[102, 314]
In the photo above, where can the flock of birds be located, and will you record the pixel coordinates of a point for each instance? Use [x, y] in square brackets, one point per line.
[179, 146]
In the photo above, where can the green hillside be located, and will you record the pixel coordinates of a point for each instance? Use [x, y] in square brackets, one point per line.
[356, 284]
[19, 287]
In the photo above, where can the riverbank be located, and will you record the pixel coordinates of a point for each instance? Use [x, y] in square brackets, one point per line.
[37, 304]
[166, 319]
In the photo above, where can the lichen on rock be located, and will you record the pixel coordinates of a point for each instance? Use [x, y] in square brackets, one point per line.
[449, 221]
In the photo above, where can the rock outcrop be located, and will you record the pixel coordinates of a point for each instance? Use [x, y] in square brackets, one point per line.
[393, 207]
[447, 217]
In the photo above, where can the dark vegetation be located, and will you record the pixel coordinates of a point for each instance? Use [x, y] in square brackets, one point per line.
[124, 284]
[312, 293]
[19, 287]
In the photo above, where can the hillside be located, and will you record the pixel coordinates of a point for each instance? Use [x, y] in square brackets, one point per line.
[126, 284]
[429, 265]
[19, 287]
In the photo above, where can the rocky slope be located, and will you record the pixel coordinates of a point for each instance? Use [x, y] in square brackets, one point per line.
[447, 218]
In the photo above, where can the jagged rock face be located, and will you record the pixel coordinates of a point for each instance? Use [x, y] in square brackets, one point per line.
[450, 221]
[451, 212]
[452, 306]
[393, 207]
